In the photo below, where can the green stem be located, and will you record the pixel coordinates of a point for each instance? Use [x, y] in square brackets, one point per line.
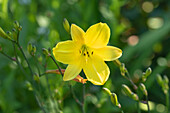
[167, 101]
[83, 102]
[36, 97]
[138, 108]
[74, 96]
[122, 111]
[49, 89]
[38, 69]
[20, 48]
[17, 61]
[129, 78]
[13, 59]
[56, 65]
[148, 104]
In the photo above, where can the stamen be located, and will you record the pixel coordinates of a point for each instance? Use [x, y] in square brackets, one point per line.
[88, 54]
[84, 54]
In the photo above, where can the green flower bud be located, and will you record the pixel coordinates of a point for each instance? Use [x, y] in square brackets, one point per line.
[29, 48]
[36, 78]
[16, 24]
[143, 89]
[114, 100]
[129, 93]
[33, 50]
[117, 62]
[20, 28]
[148, 71]
[66, 25]
[159, 79]
[107, 91]
[15, 34]
[146, 74]
[46, 52]
[4, 35]
[9, 33]
[29, 86]
[166, 79]
[40, 58]
[126, 90]
[134, 96]
[122, 69]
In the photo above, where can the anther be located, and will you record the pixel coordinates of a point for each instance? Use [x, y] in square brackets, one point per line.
[79, 51]
[84, 54]
[92, 52]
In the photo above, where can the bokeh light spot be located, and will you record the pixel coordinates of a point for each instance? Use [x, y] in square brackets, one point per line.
[160, 108]
[162, 61]
[155, 23]
[147, 7]
[43, 21]
[145, 108]
[133, 40]
[55, 4]
[157, 47]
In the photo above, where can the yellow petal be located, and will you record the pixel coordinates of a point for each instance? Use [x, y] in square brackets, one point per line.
[96, 71]
[97, 35]
[108, 53]
[72, 71]
[77, 34]
[66, 52]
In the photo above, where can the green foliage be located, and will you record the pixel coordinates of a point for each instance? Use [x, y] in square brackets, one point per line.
[142, 31]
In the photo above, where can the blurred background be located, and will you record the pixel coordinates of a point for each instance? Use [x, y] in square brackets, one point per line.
[141, 28]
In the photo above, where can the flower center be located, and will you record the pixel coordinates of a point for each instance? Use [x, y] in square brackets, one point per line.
[86, 51]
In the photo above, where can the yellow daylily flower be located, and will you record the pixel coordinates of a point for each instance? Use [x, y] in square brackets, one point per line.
[88, 51]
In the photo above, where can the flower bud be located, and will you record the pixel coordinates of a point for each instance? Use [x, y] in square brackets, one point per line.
[107, 91]
[40, 58]
[46, 52]
[9, 33]
[29, 86]
[15, 34]
[143, 89]
[129, 93]
[20, 28]
[165, 84]
[126, 90]
[29, 48]
[146, 74]
[148, 71]
[114, 100]
[134, 96]
[66, 25]
[33, 50]
[159, 79]
[4, 35]
[122, 69]
[117, 62]
[36, 78]
[166, 79]
[16, 24]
